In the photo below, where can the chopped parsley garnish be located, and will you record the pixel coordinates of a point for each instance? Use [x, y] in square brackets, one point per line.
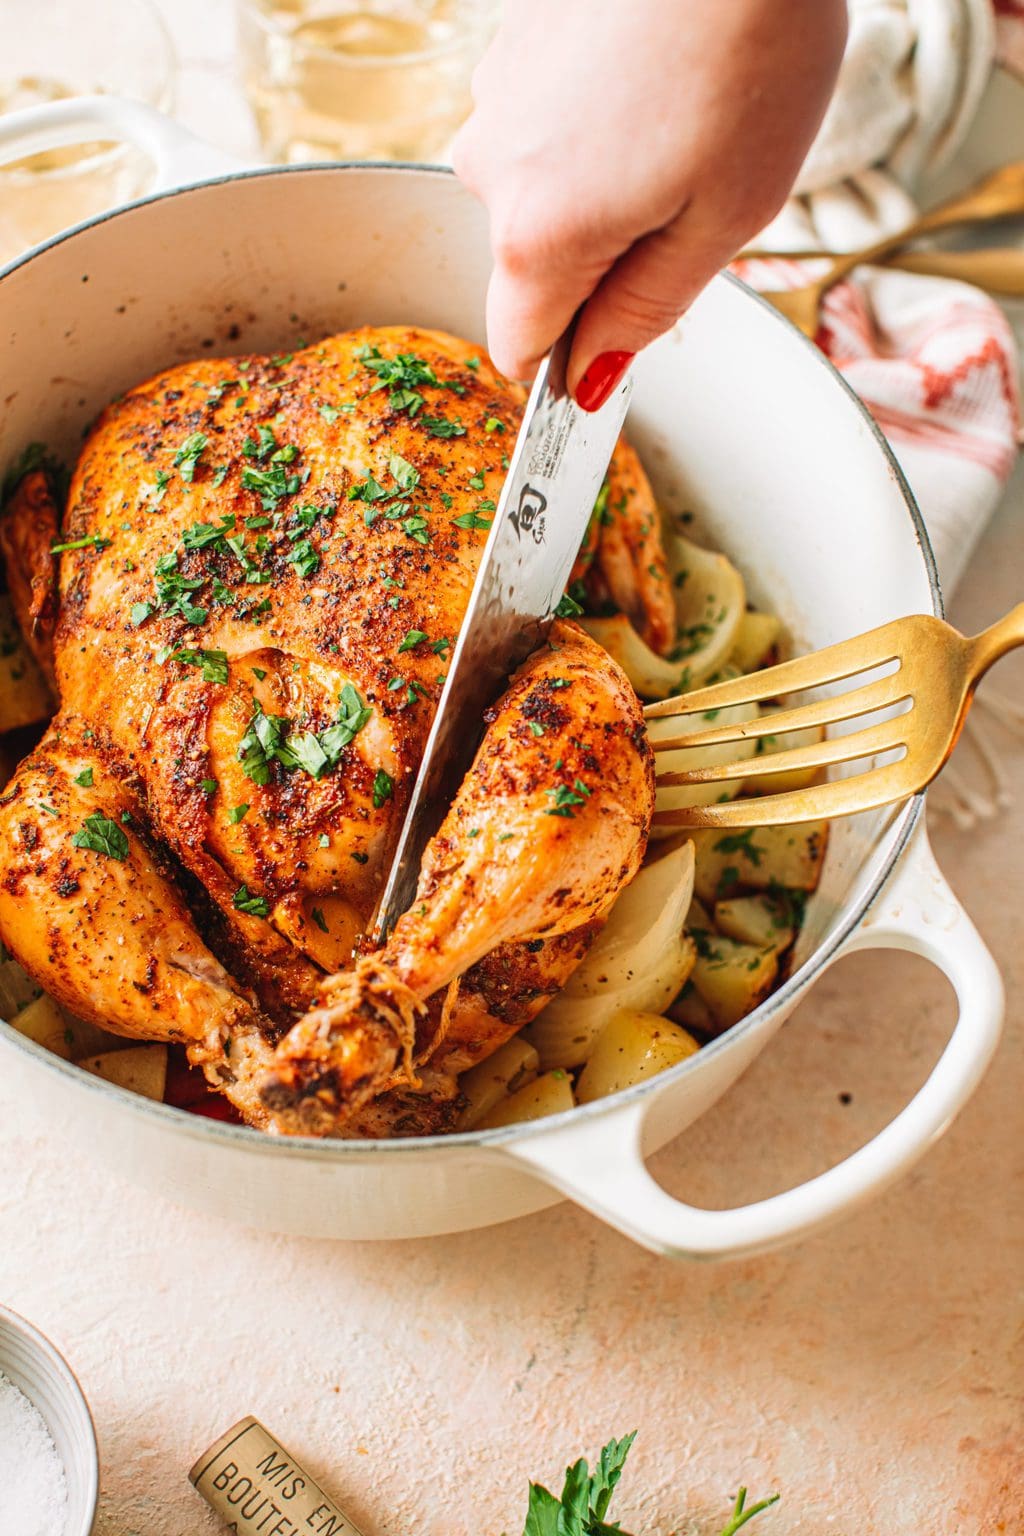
[412, 639]
[536, 727]
[259, 446]
[568, 607]
[212, 664]
[90, 541]
[383, 788]
[216, 393]
[472, 520]
[207, 535]
[305, 559]
[401, 376]
[140, 613]
[565, 798]
[558, 682]
[84, 779]
[102, 835]
[173, 591]
[320, 920]
[237, 814]
[156, 492]
[330, 413]
[244, 901]
[271, 484]
[405, 476]
[324, 840]
[441, 426]
[476, 481]
[209, 787]
[741, 842]
[220, 474]
[189, 454]
[416, 528]
[492, 424]
[269, 738]
[253, 575]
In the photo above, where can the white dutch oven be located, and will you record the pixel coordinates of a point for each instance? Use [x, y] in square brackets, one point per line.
[736, 417]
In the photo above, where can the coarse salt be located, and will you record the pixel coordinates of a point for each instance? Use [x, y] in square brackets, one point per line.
[33, 1488]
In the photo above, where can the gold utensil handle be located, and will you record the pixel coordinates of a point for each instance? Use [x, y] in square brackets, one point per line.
[997, 269]
[997, 641]
[997, 196]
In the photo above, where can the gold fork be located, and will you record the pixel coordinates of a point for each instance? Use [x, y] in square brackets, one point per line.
[1000, 195]
[933, 681]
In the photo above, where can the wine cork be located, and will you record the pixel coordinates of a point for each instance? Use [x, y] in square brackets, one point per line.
[259, 1489]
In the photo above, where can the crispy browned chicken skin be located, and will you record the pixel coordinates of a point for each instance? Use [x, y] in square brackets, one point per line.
[267, 563]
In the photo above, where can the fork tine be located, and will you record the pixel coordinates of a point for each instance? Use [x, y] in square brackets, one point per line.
[831, 665]
[844, 706]
[838, 797]
[882, 737]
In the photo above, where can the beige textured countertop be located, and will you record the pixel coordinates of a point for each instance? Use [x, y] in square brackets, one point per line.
[872, 1375]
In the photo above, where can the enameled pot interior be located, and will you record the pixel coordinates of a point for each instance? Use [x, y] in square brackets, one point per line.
[738, 419]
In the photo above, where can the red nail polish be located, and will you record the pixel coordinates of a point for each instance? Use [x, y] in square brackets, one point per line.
[601, 378]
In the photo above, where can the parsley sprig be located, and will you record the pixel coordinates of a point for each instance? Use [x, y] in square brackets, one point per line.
[586, 1495]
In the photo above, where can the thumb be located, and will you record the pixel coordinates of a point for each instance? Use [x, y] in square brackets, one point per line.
[639, 298]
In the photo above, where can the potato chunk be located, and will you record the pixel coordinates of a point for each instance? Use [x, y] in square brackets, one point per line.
[732, 978]
[755, 636]
[549, 1094]
[24, 696]
[631, 1047]
[758, 858]
[141, 1069]
[767, 922]
[43, 1022]
[511, 1067]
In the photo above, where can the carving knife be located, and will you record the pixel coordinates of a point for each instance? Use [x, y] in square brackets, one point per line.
[554, 476]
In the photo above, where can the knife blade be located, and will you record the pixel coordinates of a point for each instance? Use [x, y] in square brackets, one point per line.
[554, 476]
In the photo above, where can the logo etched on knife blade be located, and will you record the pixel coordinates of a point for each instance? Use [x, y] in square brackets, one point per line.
[528, 517]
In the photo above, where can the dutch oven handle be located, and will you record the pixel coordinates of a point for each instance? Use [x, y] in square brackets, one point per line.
[177, 155]
[599, 1164]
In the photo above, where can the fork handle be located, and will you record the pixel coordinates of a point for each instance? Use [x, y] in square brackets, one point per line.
[994, 643]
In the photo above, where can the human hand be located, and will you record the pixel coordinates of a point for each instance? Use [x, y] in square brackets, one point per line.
[625, 153]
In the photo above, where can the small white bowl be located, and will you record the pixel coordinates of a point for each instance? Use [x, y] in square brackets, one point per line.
[32, 1363]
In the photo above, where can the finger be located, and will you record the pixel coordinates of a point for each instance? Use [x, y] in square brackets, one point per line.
[640, 297]
[533, 294]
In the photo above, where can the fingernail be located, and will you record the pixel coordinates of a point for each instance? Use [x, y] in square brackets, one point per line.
[601, 378]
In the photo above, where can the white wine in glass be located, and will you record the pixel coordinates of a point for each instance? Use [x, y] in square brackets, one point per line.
[364, 81]
[66, 48]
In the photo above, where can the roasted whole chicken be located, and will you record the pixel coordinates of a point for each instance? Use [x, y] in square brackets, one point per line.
[246, 609]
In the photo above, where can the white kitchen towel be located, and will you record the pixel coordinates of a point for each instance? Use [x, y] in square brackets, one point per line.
[934, 360]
